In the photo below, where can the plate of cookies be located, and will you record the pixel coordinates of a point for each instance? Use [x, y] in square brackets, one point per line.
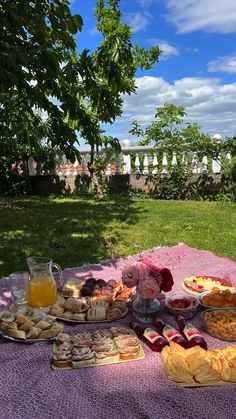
[89, 310]
[30, 327]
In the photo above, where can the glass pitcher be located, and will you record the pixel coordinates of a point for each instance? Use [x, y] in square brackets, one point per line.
[42, 290]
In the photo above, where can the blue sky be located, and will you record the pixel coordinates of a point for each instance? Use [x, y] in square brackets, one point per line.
[197, 68]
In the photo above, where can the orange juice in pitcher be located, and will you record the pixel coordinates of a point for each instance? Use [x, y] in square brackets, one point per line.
[42, 291]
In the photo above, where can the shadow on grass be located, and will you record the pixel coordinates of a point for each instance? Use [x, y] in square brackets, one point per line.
[70, 231]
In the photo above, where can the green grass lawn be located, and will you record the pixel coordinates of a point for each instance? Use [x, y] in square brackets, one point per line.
[76, 231]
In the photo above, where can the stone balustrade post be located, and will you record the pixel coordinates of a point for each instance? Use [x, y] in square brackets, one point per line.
[67, 167]
[117, 164]
[204, 164]
[84, 166]
[194, 163]
[164, 170]
[228, 157]
[216, 165]
[145, 165]
[137, 164]
[108, 170]
[76, 164]
[155, 164]
[32, 166]
[174, 159]
[127, 163]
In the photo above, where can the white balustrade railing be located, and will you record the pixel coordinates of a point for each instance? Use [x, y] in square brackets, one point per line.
[138, 160]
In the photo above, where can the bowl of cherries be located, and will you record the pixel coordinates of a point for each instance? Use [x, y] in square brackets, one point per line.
[187, 306]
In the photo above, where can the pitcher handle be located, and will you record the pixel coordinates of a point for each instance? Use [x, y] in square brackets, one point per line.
[55, 265]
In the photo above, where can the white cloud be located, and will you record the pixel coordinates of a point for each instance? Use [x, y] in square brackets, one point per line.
[167, 49]
[138, 21]
[206, 101]
[226, 64]
[207, 15]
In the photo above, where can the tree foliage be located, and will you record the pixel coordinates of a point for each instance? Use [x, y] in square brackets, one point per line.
[37, 43]
[169, 132]
[42, 70]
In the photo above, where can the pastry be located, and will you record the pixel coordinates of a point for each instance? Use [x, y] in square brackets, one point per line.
[49, 319]
[49, 333]
[113, 313]
[27, 325]
[33, 333]
[67, 315]
[57, 311]
[8, 325]
[6, 316]
[20, 319]
[72, 287]
[30, 325]
[75, 306]
[99, 303]
[60, 301]
[96, 313]
[43, 325]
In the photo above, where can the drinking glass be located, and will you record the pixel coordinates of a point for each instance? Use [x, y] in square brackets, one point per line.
[19, 282]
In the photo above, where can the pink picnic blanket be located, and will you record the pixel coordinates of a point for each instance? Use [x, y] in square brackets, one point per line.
[135, 390]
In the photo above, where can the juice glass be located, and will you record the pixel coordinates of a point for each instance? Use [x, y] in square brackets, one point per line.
[42, 291]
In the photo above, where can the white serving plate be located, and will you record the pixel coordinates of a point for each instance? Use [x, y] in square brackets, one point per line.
[25, 340]
[93, 321]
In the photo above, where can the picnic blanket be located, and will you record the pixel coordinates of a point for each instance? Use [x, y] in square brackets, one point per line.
[136, 390]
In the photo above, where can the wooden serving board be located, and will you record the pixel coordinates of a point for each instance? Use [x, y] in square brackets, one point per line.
[140, 356]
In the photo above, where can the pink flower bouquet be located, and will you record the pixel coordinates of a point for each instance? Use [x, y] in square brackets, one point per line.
[148, 276]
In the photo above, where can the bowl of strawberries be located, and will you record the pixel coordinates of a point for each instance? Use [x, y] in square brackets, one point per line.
[187, 306]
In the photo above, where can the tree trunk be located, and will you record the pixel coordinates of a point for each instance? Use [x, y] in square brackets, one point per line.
[95, 185]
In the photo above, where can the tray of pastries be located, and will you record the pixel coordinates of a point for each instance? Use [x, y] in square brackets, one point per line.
[30, 327]
[88, 310]
[78, 287]
[101, 347]
[197, 367]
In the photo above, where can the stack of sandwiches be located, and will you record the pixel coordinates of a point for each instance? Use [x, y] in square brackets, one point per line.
[103, 346]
